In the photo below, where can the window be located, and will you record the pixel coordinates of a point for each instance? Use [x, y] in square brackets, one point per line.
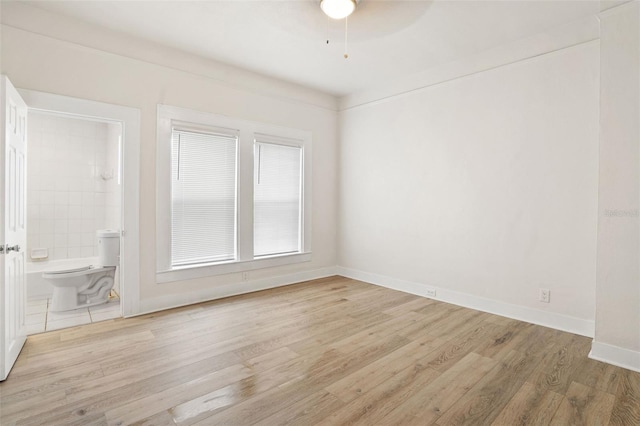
[203, 197]
[232, 195]
[277, 195]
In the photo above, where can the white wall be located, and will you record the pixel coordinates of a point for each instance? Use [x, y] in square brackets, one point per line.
[102, 75]
[483, 187]
[617, 337]
[66, 195]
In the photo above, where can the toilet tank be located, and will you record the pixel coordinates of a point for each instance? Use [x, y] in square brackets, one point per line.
[108, 247]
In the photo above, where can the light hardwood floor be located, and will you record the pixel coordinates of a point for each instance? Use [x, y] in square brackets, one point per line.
[331, 351]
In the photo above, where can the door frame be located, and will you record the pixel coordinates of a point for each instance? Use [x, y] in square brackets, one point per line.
[130, 120]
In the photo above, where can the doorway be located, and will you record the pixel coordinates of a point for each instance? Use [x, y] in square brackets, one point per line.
[97, 145]
[74, 191]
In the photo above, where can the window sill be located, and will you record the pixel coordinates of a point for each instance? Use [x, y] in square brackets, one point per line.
[222, 268]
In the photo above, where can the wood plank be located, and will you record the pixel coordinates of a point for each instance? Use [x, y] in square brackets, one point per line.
[448, 324]
[155, 365]
[583, 405]
[56, 380]
[136, 388]
[426, 405]
[484, 401]
[320, 341]
[315, 378]
[460, 345]
[271, 359]
[596, 374]
[559, 365]
[307, 411]
[530, 406]
[138, 409]
[361, 381]
[33, 405]
[409, 306]
[162, 418]
[626, 410]
[507, 338]
[261, 383]
[371, 407]
[204, 406]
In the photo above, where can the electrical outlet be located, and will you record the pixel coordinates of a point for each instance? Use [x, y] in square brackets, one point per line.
[431, 292]
[245, 276]
[545, 295]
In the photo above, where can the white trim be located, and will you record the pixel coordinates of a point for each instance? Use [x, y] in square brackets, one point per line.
[625, 8]
[232, 289]
[130, 119]
[615, 355]
[200, 271]
[548, 319]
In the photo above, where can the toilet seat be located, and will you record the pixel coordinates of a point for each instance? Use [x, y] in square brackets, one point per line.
[68, 271]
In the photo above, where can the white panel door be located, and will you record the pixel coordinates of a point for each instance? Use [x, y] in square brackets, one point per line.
[13, 236]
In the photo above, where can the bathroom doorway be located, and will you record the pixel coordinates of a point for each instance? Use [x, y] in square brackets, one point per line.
[82, 179]
[74, 190]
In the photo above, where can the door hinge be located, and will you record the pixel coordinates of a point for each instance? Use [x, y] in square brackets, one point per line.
[122, 232]
[2, 249]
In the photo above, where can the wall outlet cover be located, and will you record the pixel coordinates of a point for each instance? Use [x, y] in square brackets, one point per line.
[545, 295]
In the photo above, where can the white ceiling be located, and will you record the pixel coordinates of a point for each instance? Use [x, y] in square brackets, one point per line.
[287, 39]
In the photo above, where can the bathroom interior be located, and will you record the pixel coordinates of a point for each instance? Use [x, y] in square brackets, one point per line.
[73, 220]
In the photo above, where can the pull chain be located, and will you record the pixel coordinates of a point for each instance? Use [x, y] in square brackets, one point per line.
[346, 31]
[327, 29]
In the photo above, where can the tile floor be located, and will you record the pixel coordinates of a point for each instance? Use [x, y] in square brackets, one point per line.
[40, 319]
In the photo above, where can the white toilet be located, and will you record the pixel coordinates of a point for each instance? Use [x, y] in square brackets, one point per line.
[89, 285]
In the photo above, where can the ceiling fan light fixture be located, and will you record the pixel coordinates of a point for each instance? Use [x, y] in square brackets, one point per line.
[338, 9]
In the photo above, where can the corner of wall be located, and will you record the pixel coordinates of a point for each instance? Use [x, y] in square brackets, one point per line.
[615, 355]
[618, 243]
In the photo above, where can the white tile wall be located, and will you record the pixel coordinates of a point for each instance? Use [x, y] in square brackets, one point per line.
[67, 194]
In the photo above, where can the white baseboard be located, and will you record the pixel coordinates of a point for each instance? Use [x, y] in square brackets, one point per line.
[182, 299]
[522, 313]
[615, 355]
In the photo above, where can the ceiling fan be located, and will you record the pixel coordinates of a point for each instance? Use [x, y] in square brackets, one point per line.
[339, 9]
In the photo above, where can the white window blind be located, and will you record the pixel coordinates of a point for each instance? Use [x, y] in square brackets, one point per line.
[203, 197]
[277, 199]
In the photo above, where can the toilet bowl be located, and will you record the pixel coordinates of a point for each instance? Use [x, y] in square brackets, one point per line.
[89, 285]
[81, 287]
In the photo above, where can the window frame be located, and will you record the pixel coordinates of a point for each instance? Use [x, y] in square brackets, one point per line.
[248, 133]
[269, 140]
[180, 127]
